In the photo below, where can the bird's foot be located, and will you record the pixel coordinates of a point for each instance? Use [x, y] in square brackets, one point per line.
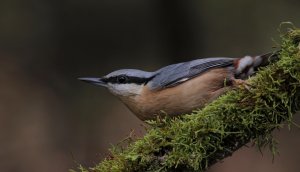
[239, 83]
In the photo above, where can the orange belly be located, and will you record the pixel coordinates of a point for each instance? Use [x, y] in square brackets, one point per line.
[184, 98]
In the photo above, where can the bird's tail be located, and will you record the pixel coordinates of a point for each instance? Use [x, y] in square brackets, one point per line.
[246, 66]
[268, 58]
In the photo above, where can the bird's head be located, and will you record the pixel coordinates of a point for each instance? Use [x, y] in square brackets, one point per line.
[122, 83]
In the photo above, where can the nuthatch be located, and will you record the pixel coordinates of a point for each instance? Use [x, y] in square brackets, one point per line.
[178, 88]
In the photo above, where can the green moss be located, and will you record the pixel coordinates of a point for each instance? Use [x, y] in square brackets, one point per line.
[195, 141]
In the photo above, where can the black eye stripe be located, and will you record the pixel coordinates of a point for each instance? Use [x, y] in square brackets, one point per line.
[123, 79]
[137, 80]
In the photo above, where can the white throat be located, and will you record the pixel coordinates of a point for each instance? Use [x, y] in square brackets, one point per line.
[125, 89]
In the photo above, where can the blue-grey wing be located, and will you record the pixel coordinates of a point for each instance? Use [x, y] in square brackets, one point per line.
[175, 74]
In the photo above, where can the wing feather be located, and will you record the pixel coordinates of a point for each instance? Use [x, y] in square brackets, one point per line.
[175, 74]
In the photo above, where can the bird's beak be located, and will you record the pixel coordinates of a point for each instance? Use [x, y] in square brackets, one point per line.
[94, 81]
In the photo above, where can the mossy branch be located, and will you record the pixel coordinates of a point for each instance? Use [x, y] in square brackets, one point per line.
[195, 141]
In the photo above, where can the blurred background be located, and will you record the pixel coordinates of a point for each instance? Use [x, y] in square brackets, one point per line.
[49, 120]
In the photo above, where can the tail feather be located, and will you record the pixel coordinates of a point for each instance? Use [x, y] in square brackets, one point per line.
[246, 66]
[268, 58]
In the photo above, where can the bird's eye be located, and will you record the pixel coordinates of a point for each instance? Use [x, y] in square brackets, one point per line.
[122, 79]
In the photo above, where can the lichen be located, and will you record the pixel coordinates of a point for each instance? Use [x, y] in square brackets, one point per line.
[195, 141]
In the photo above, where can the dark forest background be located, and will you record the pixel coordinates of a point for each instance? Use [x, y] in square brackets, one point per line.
[48, 119]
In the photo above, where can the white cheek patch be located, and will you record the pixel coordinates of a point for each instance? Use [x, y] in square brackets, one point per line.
[125, 89]
[134, 88]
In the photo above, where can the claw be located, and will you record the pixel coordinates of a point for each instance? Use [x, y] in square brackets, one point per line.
[240, 83]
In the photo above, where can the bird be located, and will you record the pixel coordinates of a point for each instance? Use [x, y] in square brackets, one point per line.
[179, 88]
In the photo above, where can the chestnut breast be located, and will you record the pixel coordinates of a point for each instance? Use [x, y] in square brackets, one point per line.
[183, 98]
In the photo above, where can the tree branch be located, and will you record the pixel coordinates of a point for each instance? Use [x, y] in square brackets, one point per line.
[195, 141]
